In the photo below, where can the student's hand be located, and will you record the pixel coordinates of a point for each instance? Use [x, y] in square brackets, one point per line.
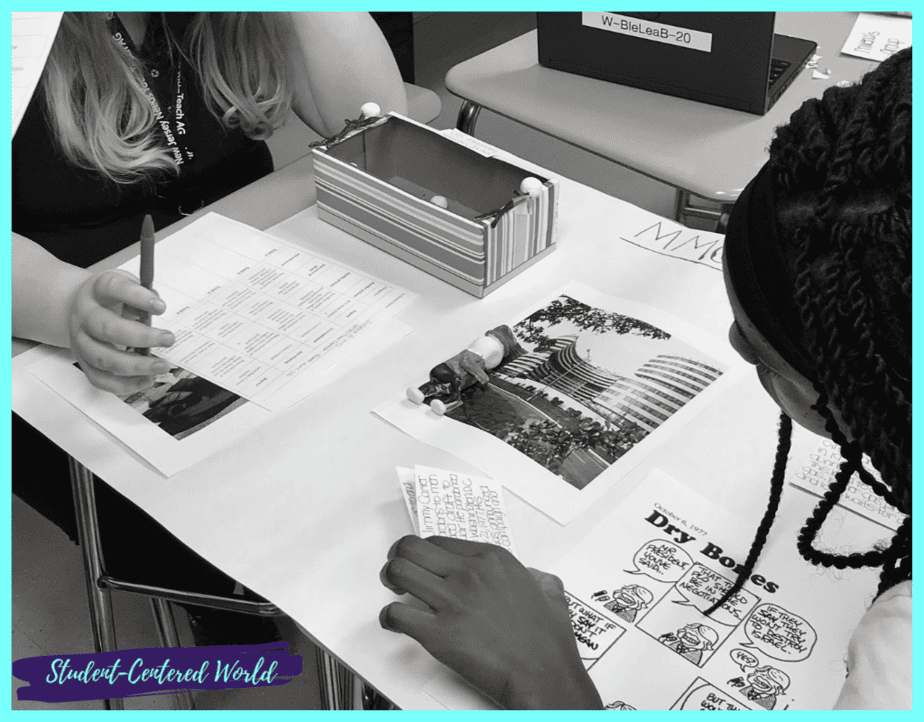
[501, 626]
[101, 326]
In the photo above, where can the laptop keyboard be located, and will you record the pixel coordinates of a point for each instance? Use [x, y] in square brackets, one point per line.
[777, 68]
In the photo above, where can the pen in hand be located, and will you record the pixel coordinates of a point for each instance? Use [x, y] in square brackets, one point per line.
[147, 269]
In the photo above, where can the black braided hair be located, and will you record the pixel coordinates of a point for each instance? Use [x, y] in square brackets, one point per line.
[776, 493]
[841, 173]
[844, 202]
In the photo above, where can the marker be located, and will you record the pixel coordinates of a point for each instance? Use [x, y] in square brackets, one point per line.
[147, 269]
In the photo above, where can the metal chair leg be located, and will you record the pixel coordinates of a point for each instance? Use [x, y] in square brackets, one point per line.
[166, 633]
[372, 700]
[101, 618]
[468, 116]
[681, 201]
[336, 683]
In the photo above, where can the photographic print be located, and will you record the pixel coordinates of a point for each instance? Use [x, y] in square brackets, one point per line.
[181, 403]
[575, 390]
[583, 385]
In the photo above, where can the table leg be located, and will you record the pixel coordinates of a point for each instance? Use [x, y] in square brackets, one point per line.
[683, 209]
[468, 116]
[337, 683]
[101, 618]
[166, 632]
[681, 201]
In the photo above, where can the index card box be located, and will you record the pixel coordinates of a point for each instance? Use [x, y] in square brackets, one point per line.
[379, 183]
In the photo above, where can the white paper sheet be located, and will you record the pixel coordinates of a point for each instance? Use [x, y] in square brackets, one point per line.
[877, 37]
[206, 273]
[176, 439]
[259, 316]
[33, 35]
[586, 375]
[815, 473]
[638, 586]
[461, 506]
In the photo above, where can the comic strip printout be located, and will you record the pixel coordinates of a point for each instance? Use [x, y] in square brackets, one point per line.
[638, 588]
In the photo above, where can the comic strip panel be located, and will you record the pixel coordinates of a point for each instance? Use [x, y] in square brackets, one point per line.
[594, 632]
[701, 695]
[678, 620]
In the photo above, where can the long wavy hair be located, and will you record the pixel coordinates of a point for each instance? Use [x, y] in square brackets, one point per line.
[97, 110]
[841, 173]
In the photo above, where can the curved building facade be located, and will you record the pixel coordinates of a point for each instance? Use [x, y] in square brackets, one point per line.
[659, 388]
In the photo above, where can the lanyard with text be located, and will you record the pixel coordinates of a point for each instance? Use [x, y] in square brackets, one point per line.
[172, 123]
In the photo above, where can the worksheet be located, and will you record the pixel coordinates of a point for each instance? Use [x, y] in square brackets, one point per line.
[816, 474]
[260, 324]
[638, 587]
[592, 386]
[32, 34]
[252, 313]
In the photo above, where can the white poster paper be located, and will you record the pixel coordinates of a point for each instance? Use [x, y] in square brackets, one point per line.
[877, 37]
[33, 35]
[638, 587]
[594, 386]
[816, 473]
[461, 506]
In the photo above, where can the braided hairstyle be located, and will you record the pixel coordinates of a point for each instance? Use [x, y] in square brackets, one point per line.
[841, 176]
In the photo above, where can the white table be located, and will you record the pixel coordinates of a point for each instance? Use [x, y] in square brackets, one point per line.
[304, 509]
[701, 150]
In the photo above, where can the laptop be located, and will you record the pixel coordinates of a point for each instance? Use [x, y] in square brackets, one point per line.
[733, 60]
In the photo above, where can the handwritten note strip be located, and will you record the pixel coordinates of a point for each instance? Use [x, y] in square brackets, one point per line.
[408, 481]
[458, 505]
[816, 473]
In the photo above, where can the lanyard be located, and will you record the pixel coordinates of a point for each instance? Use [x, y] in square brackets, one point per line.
[172, 123]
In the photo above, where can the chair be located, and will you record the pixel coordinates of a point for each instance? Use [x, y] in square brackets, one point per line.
[423, 105]
[99, 584]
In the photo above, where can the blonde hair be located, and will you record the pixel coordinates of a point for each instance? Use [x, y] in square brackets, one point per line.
[97, 109]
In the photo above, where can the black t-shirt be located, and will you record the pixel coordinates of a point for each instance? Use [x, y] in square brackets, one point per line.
[81, 216]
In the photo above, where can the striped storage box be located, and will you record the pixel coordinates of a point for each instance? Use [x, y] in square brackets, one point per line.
[379, 183]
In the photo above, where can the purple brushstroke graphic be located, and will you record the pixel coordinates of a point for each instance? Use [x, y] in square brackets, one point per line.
[154, 670]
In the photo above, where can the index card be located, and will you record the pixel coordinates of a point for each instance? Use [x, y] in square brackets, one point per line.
[462, 506]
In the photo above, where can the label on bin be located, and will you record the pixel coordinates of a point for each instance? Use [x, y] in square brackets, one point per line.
[649, 30]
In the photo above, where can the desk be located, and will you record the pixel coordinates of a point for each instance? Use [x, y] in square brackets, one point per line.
[699, 149]
[304, 509]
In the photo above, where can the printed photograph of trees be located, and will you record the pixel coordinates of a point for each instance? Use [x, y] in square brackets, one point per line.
[584, 386]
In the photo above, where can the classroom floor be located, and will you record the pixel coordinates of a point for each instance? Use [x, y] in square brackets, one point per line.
[49, 603]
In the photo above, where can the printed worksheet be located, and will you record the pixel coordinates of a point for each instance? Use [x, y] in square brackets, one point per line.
[33, 34]
[589, 386]
[260, 324]
[816, 473]
[252, 313]
[638, 588]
